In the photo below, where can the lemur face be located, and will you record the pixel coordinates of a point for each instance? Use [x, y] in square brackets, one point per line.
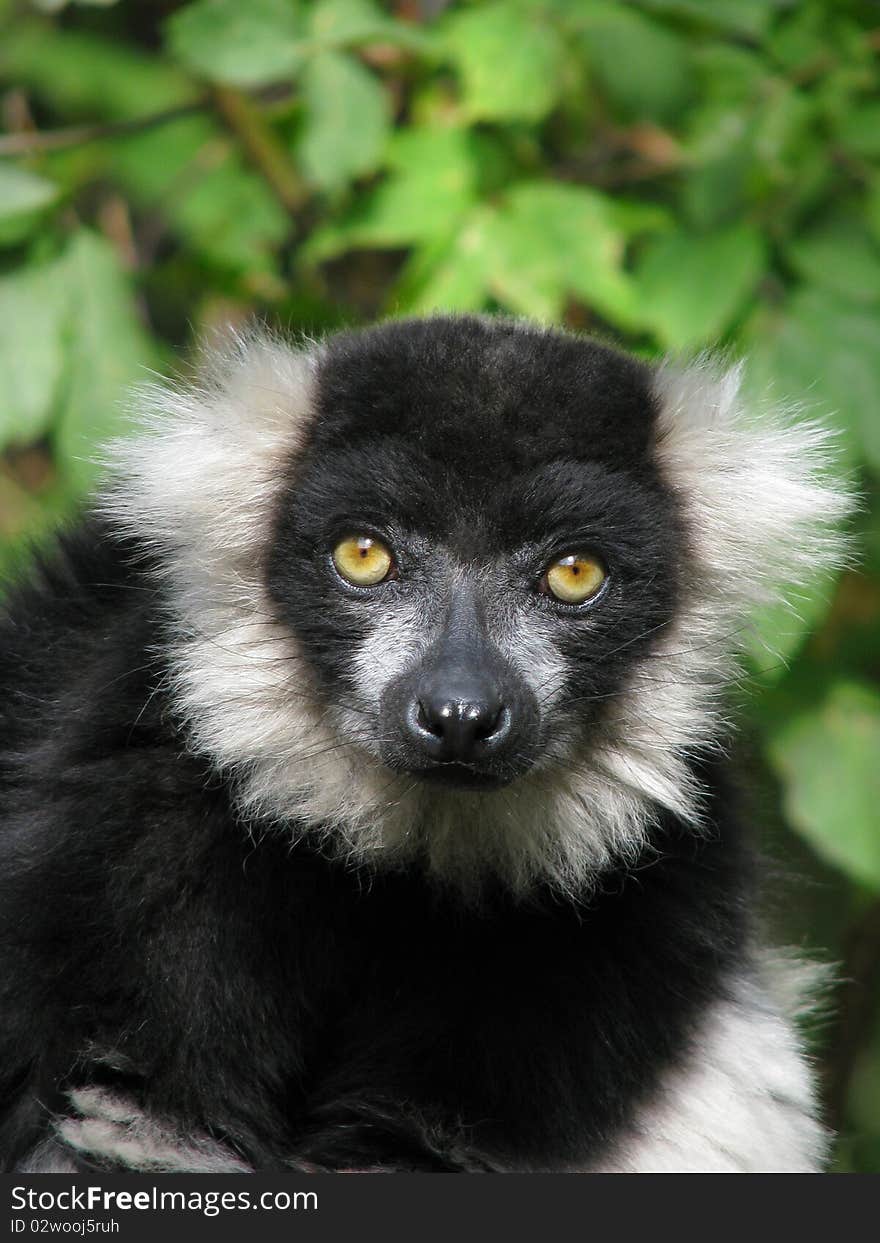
[461, 594]
[476, 546]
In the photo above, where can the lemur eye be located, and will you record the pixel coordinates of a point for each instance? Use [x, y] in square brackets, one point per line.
[362, 560]
[573, 579]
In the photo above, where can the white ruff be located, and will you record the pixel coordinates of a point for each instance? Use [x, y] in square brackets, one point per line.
[201, 486]
[760, 509]
[744, 1102]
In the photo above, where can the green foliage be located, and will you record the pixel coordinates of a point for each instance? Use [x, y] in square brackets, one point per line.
[657, 80]
[839, 739]
[684, 309]
[813, 325]
[24, 198]
[34, 312]
[347, 123]
[677, 174]
[431, 182]
[71, 344]
[107, 352]
[245, 44]
[508, 60]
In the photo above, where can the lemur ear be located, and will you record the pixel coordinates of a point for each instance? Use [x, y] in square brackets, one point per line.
[761, 500]
[206, 466]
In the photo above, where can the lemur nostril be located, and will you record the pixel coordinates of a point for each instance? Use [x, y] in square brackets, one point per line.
[426, 722]
[486, 722]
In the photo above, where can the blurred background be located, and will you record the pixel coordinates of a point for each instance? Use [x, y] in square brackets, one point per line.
[671, 174]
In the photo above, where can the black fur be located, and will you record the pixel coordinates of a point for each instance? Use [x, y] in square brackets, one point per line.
[477, 445]
[307, 1015]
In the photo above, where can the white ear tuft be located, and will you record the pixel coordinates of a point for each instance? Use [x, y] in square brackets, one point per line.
[206, 467]
[760, 507]
[200, 485]
[757, 488]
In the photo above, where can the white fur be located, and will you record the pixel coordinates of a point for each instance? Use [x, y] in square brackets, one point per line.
[761, 510]
[201, 485]
[743, 1103]
[109, 1128]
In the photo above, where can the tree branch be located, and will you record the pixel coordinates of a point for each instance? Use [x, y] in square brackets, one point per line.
[261, 146]
[35, 141]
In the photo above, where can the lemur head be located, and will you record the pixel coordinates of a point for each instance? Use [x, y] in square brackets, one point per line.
[463, 594]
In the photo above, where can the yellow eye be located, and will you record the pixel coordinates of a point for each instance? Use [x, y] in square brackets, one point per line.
[362, 560]
[574, 579]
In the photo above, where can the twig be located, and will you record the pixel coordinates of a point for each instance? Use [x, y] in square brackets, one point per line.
[76, 135]
[35, 141]
[261, 146]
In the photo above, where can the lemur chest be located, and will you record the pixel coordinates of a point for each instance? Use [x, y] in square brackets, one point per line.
[496, 1031]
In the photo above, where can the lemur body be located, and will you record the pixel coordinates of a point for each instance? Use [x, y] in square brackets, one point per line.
[362, 784]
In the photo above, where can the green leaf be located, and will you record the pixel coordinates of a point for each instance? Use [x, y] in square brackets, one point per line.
[745, 17]
[24, 199]
[108, 351]
[840, 257]
[728, 74]
[827, 760]
[781, 130]
[244, 42]
[823, 353]
[656, 81]
[524, 277]
[801, 40]
[230, 216]
[872, 207]
[859, 130]
[81, 74]
[347, 120]
[780, 630]
[157, 165]
[34, 307]
[716, 193]
[510, 62]
[346, 23]
[746, 144]
[552, 239]
[431, 186]
[450, 274]
[543, 242]
[692, 288]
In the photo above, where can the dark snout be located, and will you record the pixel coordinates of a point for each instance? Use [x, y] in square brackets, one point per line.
[464, 716]
[458, 714]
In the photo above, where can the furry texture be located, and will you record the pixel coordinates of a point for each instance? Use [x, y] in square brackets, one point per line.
[199, 489]
[743, 1103]
[204, 487]
[245, 923]
[762, 512]
[109, 1130]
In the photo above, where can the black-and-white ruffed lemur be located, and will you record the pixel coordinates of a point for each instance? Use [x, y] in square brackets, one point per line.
[363, 791]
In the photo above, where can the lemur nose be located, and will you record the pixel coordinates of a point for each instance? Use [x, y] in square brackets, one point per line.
[460, 727]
